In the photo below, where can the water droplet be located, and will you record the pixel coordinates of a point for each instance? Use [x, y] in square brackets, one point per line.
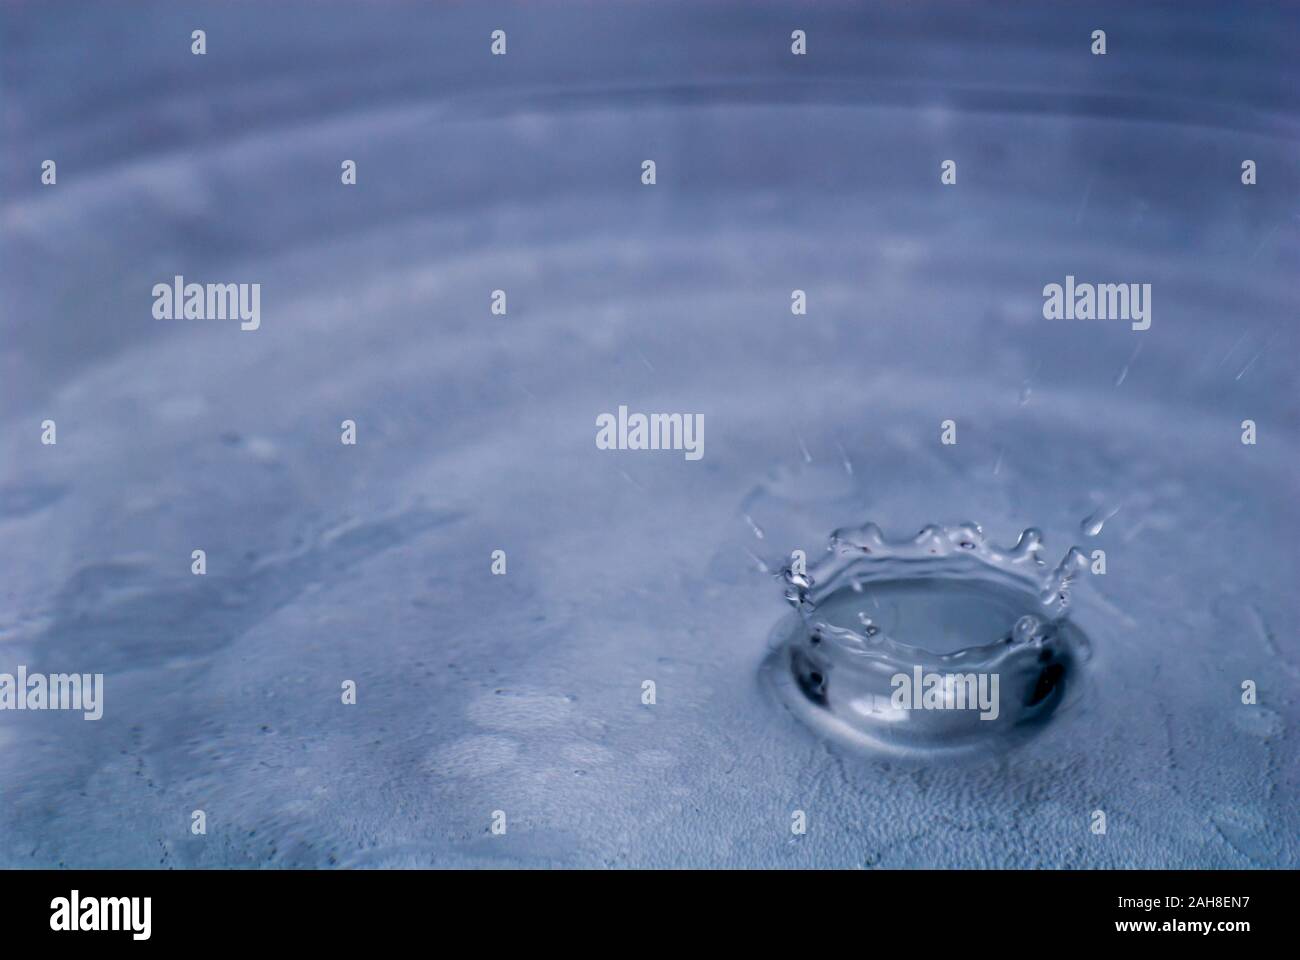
[1092, 524]
[1250, 364]
[845, 462]
[1123, 374]
[957, 612]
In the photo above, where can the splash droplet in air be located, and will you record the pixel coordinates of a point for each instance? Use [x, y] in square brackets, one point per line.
[942, 644]
[1093, 523]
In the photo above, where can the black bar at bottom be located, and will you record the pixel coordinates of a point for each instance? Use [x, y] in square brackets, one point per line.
[555, 908]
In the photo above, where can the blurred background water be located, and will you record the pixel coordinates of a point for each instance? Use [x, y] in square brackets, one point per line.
[522, 693]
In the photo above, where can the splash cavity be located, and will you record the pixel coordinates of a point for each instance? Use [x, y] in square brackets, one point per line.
[942, 644]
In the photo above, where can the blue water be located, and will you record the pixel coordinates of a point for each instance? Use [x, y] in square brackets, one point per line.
[523, 693]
